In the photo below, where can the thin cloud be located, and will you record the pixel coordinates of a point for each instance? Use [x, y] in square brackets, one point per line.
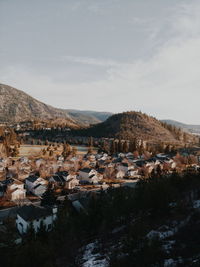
[164, 84]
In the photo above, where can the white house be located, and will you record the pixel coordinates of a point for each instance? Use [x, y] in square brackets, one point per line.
[90, 175]
[35, 216]
[32, 181]
[18, 194]
[39, 189]
[36, 185]
[66, 175]
[120, 174]
[86, 173]
[16, 190]
[71, 183]
[125, 167]
[15, 184]
[132, 173]
[95, 178]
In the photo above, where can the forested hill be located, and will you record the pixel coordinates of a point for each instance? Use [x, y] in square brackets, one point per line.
[131, 125]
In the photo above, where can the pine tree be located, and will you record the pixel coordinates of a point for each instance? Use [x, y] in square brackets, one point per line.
[48, 198]
[66, 150]
[120, 146]
[90, 142]
[74, 151]
[113, 148]
[125, 147]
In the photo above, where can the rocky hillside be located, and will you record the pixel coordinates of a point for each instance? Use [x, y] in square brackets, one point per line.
[16, 106]
[129, 125]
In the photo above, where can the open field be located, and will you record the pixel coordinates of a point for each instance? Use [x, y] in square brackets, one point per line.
[35, 150]
[30, 150]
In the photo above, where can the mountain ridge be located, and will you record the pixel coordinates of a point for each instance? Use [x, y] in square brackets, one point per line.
[17, 106]
[191, 128]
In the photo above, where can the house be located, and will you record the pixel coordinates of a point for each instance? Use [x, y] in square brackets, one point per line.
[39, 189]
[61, 158]
[132, 173]
[16, 190]
[35, 216]
[36, 185]
[17, 194]
[94, 179]
[6, 182]
[92, 164]
[30, 182]
[23, 174]
[90, 175]
[57, 180]
[71, 183]
[39, 162]
[102, 172]
[24, 160]
[15, 184]
[120, 174]
[91, 157]
[86, 173]
[101, 162]
[68, 165]
[125, 167]
[66, 175]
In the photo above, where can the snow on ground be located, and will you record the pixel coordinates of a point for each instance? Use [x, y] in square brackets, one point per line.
[90, 258]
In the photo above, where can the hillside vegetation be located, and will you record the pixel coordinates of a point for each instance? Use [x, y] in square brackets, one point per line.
[131, 125]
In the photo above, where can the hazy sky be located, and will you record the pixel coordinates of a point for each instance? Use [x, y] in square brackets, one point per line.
[106, 55]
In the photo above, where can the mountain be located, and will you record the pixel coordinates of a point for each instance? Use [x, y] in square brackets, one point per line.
[195, 129]
[130, 125]
[16, 106]
[88, 117]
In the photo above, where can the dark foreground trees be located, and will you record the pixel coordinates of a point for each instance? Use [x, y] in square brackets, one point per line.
[138, 210]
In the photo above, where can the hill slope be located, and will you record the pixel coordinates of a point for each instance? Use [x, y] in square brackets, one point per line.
[16, 106]
[88, 117]
[195, 129]
[129, 125]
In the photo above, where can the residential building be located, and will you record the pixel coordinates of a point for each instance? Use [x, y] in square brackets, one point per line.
[34, 216]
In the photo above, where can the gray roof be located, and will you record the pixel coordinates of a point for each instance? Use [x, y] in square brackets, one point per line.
[38, 185]
[58, 178]
[87, 170]
[32, 179]
[31, 212]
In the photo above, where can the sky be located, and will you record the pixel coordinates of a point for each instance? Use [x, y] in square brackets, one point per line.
[105, 55]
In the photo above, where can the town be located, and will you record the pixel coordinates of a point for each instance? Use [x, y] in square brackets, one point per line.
[69, 173]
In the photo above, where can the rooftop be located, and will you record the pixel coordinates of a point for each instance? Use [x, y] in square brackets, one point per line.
[31, 212]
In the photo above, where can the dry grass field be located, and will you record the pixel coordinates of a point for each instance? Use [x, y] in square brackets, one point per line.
[35, 150]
